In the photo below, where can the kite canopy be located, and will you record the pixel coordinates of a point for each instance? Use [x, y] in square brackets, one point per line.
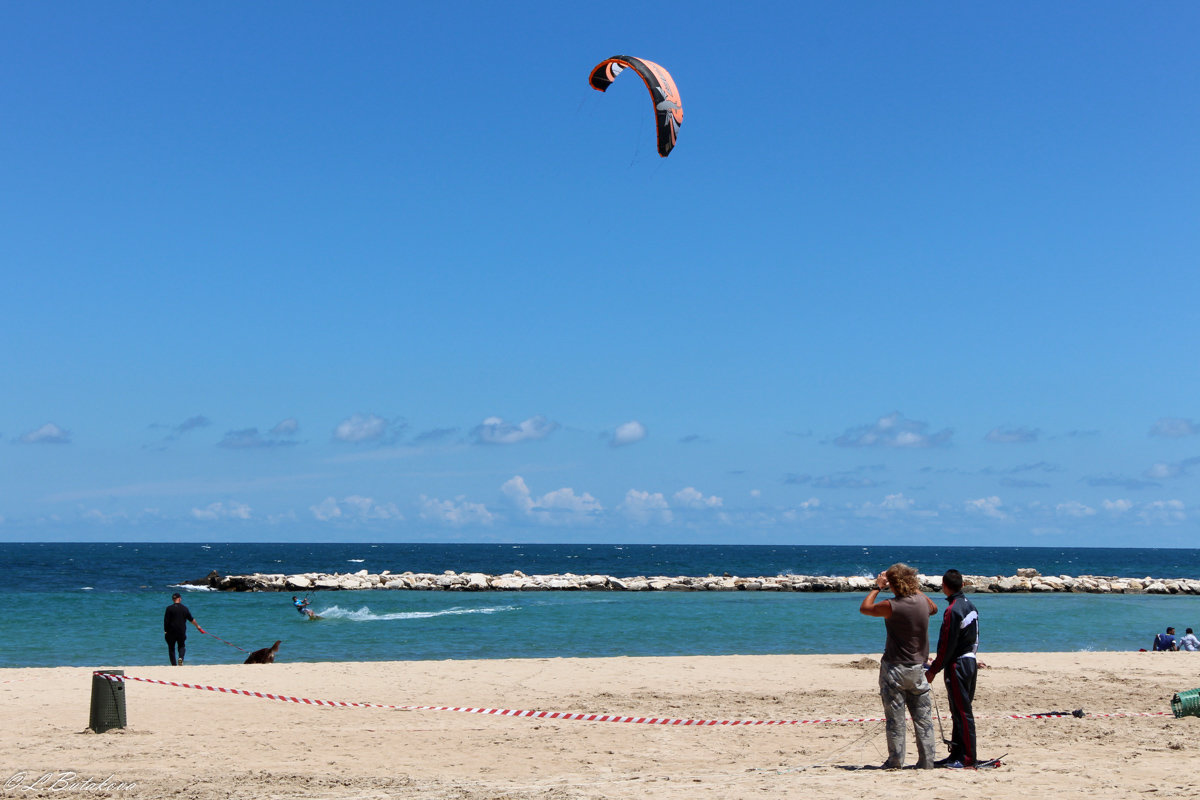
[668, 109]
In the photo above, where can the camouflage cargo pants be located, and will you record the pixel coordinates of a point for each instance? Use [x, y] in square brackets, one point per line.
[904, 686]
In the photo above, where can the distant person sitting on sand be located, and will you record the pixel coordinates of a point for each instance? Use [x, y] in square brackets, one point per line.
[1165, 641]
[302, 607]
[1189, 642]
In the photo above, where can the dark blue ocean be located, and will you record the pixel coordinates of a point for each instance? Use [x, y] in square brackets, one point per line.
[101, 604]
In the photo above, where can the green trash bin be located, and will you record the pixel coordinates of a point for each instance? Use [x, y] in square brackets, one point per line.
[1186, 704]
[108, 701]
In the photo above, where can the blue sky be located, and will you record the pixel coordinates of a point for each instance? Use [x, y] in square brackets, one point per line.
[394, 272]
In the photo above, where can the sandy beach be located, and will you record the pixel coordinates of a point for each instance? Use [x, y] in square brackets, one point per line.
[197, 744]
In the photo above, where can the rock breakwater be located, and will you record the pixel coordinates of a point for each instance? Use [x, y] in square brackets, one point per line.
[1025, 581]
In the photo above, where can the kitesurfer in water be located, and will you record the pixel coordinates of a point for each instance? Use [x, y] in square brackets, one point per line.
[302, 607]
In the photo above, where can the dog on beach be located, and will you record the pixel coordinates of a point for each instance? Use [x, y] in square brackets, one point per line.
[264, 656]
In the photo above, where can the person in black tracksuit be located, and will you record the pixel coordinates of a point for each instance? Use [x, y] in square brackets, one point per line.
[958, 643]
[175, 621]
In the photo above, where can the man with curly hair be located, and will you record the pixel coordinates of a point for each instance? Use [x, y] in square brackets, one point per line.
[902, 680]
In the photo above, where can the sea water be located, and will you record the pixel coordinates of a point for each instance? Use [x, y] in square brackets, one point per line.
[101, 604]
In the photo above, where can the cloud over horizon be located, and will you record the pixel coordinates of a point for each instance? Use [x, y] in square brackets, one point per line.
[494, 430]
[561, 506]
[1174, 428]
[1164, 470]
[354, 507]
[221, 510]
[1009, 435]
[646, 507]
[251, 439]
[286, 427]
[368, 429]
[628, 433]
[454, 513]
[987, 506]
[46, 434]
[894, 431]
[1120, 482]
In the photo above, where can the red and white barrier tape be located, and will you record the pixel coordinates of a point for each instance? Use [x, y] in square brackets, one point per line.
[1088, 714]
[563, 715]
[499, 712]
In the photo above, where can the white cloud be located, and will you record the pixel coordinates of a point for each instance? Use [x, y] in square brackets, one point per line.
[326, 510]
[628, 433]
[1163, 470]
[560, 506]
[1073, 508]
[215, 511]
[287, 427]
[495, 430]
[47, 434]
[96, 515]
[1174, 428]
[897, 502]
[695, 499]
[455, 512]
[894, 430]
[365, 428]
[987, 506]
[1117, 506]
[1165, 512]
[891, 504]
[354, 507]
[366, 508]
[803, 511]
[645, 508]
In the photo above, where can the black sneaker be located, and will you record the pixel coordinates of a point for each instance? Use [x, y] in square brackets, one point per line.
[947, 761]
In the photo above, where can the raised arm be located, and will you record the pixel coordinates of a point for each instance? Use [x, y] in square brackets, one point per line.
[872, 606]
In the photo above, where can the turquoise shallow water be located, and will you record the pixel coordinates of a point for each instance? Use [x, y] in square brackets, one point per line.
[102, 605]
[85, 629]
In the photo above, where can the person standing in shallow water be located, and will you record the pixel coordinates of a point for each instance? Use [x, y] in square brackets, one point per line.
[902, 680]
[175, 621]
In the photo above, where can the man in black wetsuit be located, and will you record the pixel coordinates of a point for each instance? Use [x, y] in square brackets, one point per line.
[958, 643]
[175, 622]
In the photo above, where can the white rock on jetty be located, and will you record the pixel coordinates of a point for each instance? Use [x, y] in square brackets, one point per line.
[1026, 580]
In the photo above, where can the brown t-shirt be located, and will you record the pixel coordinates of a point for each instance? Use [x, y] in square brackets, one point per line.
[908, 630]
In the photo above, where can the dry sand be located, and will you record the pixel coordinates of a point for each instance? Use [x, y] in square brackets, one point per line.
[186, 743]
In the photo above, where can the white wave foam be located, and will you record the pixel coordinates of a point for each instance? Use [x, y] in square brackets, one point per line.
[365, 614]
[188, 588]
